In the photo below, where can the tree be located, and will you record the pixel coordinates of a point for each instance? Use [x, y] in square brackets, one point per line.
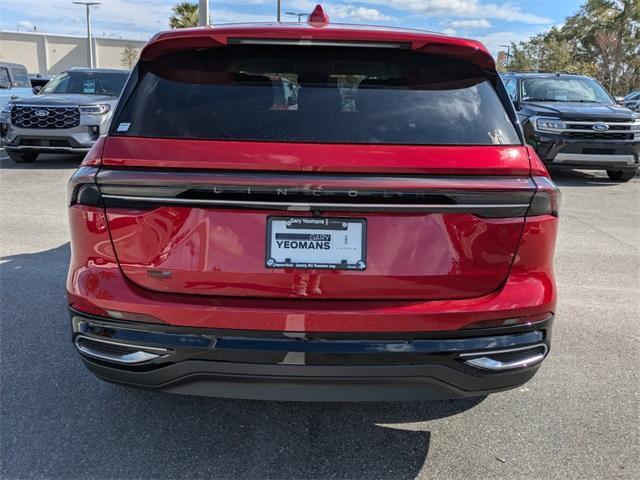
[129, 56]
[185, 14]
[601, 40]
[608, 35]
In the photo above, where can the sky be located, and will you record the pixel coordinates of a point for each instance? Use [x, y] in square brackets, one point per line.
[493, 22]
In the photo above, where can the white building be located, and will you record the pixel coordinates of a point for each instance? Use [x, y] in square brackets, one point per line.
[48, 53]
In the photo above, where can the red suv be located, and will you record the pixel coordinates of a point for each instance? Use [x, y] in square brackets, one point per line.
[313, 212]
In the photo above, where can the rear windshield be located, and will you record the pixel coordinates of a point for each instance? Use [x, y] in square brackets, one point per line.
[315, 94]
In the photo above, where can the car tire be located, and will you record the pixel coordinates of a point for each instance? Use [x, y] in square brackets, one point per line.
[22, 157]
[621, 175]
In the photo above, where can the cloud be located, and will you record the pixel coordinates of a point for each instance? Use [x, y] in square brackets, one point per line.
[139, 18]
[358, 13]
[25, 25]
[464, 8]
[449, 31]
[479, 23]
[223, 15]
[352, 13]
[142, 18]
[493, 40]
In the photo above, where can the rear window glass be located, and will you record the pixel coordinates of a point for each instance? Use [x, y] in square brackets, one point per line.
[20, 78]
[315, 94]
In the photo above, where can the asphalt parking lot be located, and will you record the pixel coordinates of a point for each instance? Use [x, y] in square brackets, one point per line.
[578, 418]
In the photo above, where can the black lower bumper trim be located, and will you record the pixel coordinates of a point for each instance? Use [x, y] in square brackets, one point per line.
[36, 149]
[313, 383]
[285, 366]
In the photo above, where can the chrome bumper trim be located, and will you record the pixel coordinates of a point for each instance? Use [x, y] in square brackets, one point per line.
[587, 158]
[138, 353]
[485, 361]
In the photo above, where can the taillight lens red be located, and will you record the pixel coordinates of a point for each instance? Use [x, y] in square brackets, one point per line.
[94, 156]
[538, 168]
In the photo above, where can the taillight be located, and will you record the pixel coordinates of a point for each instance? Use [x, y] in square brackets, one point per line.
[94, 156]
[538, 168]
[546, 199]
[82, 188]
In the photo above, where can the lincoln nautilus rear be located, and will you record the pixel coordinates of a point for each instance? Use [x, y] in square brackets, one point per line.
[313, 212]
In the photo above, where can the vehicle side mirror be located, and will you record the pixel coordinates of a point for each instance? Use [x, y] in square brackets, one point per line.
[619, 100]
[516, 105]
[5, 84]
[36, 89]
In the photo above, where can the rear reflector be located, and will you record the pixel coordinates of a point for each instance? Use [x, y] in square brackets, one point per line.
[510, 322]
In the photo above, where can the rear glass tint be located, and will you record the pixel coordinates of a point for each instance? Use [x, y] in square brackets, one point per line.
[20, 78]
[315, 94]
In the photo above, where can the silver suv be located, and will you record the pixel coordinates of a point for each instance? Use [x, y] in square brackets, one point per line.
[14, 82]
[67, 116]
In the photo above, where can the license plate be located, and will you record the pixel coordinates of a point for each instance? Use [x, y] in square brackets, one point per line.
[324, 243]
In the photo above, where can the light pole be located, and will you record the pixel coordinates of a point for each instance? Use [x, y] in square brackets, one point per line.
[297, 14]
[508, 47]
[203, 13]
[279, 7]
[88, 6]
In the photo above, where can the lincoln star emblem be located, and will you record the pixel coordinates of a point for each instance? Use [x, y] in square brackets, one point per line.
[42, 113]
[600, 127]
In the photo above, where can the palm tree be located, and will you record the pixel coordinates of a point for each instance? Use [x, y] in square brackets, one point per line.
[185, 14]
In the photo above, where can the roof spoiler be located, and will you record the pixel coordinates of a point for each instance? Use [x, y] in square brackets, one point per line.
[214, 37]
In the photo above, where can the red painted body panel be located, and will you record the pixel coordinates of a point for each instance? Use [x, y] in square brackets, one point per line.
[212, 37]
[426, 271]
[95, 283]
[410, 256]
[311, 157]
[222, 252]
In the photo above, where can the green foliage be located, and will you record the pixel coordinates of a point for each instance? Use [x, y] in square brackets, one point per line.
[601, 40]
[185, 14]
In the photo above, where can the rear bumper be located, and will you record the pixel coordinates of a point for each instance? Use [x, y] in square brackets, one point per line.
[317, 367]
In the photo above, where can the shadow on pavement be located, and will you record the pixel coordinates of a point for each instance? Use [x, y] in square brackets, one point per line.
[582, 178]
[44, 162]
[58, 421]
